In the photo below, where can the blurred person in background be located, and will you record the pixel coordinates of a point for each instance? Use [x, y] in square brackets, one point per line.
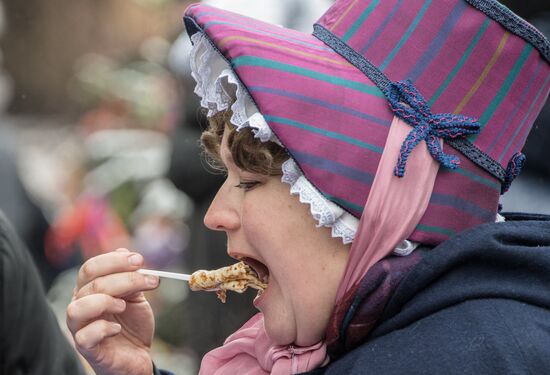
[399, 261]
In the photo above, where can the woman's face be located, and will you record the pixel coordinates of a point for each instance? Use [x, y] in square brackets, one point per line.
[273, 232]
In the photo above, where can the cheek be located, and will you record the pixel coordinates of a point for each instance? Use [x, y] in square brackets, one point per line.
[262, 227]
[266, 220]
[253, 221]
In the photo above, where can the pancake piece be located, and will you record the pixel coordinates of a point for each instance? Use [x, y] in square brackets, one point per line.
[237, 278]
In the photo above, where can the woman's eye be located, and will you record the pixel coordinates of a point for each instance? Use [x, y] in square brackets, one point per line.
[247, 185]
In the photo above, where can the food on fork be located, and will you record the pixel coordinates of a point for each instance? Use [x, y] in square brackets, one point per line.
[237, 278]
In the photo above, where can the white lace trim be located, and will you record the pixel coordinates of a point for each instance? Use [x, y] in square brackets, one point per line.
[218, 87]
[326, 213]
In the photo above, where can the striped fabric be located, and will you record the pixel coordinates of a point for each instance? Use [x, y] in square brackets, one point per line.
[334, 121]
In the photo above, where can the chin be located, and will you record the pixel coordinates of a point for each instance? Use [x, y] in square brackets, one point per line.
[283, 334]
[279, 332]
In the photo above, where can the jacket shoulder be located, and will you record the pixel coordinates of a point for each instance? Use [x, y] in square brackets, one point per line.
[489, 336]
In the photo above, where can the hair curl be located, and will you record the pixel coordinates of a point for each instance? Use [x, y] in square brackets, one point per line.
[248, 153]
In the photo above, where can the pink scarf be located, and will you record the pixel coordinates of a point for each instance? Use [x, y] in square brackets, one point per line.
[249, 351]
[393, 209]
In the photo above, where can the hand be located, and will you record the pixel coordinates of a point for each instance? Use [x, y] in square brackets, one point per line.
[111, 321]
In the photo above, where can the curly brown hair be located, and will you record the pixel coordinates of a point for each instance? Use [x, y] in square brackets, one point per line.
[249, 153]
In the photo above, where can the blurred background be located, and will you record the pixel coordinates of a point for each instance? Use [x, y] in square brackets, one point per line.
[99, 133]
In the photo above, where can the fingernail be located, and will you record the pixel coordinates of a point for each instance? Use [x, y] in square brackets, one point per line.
[120, 303]
[135, 260]
[115, 327]
[152, 280]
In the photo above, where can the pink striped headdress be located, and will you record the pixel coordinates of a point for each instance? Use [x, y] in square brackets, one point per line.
[353, 101]
[469, 72]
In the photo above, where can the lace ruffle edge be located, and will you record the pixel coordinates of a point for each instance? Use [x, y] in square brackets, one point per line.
[219, 89]
[326, 213]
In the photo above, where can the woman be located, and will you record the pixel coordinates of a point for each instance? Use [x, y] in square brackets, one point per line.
[358, 119]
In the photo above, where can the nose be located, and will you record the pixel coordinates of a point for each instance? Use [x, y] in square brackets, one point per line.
[223, 214]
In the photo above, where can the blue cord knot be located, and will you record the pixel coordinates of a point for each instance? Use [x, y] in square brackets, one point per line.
[513, 169]
[408, 104]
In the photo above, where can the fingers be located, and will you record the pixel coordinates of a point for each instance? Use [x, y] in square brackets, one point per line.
[119, 285]
[82, 311]
[121, 260]
[87, 338]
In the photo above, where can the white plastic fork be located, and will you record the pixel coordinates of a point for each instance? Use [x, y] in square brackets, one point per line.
[169, 275]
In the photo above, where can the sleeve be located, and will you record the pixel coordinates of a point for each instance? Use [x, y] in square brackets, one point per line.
[32, 341]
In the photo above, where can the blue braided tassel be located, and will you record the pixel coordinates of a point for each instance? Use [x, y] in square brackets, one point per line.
[408, 104]
[515, 165]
